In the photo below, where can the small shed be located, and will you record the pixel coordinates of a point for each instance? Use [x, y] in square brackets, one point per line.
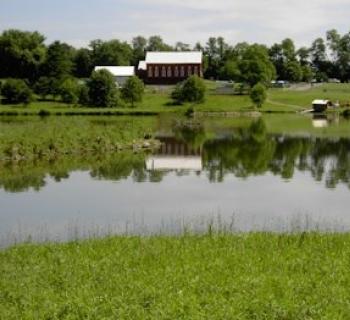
[321, 105]
[120, 73]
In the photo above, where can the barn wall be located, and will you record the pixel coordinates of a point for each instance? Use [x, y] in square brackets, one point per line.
[170, 73]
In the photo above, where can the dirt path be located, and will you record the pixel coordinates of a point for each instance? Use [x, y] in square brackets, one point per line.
[276, 103]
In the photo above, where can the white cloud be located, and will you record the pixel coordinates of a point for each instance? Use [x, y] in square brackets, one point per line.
[265, 21]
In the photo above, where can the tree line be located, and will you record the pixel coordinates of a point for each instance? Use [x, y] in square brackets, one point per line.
[25, 55]
[52, 70]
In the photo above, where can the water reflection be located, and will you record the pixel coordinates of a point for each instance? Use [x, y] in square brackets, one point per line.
[235, 172]
[244, 152]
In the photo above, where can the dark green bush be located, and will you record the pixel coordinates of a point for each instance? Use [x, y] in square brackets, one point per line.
[191, 90]
[258, 95]
[103, 91]
[69, 90]
[17, 91]
[133, 90]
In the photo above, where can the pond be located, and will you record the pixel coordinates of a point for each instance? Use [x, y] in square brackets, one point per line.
[275, 173]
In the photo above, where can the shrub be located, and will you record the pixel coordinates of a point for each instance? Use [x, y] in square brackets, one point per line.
[258, 95]
[84, 94]
[176, 95]
[47, 86]
[17, 91]
[133, 90]
[191, 90]
[103, 91]
[69, 90]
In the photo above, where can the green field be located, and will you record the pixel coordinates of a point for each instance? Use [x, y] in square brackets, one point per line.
[214, 276]
[158, 101]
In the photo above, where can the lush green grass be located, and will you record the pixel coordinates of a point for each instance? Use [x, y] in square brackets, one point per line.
[331, 91]
[157, 100]
[246, 276]
[25, 138]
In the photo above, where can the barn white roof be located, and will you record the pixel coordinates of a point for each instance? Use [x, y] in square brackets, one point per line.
[169, 57]
[118, 71]
[320, 102]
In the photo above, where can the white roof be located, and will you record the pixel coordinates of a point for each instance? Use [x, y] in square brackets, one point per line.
[174, 57]
[118, 71]
[319, 101]
[174, 163]
[142, 65]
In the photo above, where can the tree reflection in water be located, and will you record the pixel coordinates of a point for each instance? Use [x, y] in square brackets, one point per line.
[243, 152]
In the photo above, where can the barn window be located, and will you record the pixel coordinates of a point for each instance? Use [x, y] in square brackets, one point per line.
[163, 72]
[189, 70]
[169, 73]
[176, 71]
[196, 71]
[156, 72]
[150, 72]
[182, 72]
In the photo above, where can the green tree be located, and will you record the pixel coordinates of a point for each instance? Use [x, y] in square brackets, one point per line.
[156, 43]
[111, 53]
[191, 90]
[69, 90]
[293, 71]
[21, 54]
[59, 60]
[230, 70]
[46, 86]
[340, 50]
[83, 64]
[255, 66]
[181, 46]
[258, 95]
[139, 44]
[307, 73]
[103, 91]
[133, 90]
[16, 91]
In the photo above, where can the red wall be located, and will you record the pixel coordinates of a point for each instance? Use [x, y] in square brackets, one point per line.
[172, 78]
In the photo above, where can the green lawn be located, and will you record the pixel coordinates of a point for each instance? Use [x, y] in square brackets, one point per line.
[214, 276]
[158, 101]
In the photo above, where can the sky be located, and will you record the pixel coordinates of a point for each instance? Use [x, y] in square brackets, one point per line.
[77, 22]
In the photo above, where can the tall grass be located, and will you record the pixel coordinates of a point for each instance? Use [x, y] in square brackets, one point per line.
[212, 276]
[23, 138]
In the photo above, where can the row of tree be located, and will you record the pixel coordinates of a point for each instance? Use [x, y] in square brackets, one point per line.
[25, 55]
[100, 90]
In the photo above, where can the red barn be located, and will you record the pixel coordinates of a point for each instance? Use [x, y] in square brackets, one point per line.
[170, 67]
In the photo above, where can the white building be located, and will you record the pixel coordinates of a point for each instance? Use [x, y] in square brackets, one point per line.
[120, 73]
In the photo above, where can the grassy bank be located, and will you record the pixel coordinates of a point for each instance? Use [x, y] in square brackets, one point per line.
[23, 138]
[247, 276]
[157, 100]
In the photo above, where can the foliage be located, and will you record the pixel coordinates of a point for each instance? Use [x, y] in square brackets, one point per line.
[191, 90]
[21, 54]
[47, 86]
[110, 53]
[133, 90]
[69, 91]
[84, 98]
[83, 64]
[258, 94]
[59, 61]
[16, 91]
[103, 91]
[255, 66]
